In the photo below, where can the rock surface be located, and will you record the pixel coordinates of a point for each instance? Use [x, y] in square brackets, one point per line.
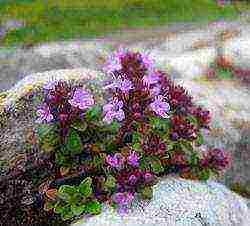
[179, 202]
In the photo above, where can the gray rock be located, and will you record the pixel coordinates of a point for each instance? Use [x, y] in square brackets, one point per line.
[16, 63]
[179, 202]
[238, 51]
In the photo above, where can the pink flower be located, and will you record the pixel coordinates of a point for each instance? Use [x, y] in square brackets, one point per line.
[155, 91]
[123, 84]
[147, 61]
[160, 107]
[116, 161]
[114, 61]
[123, 199]
[148, 177]
[82, 99]
[44, 114]
[133, 159]
[113, 110]
[151, 78]
[132, 179]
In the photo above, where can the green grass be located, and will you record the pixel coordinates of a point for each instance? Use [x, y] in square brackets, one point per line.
[53, 20]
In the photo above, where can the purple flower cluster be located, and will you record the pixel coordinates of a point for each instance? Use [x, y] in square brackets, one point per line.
[136, 88]
[216, 159]
[113, 110]
[82, 99]
[118, 160]
[123, 200]
[63, 104]
[181, 128]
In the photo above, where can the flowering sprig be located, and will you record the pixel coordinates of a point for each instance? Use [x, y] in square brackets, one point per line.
[158, 130]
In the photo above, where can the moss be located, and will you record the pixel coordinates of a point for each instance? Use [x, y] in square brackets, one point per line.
[241, 190]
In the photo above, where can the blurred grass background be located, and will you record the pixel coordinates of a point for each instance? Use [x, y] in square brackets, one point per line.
[52, 20]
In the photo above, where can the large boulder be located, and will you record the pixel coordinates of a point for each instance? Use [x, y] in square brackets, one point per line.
[179, 202]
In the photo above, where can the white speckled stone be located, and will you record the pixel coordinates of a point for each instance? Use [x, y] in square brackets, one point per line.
[176, 202]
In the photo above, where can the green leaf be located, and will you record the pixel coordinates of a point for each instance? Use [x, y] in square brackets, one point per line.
[204, 174]
[146, 193]
[161, 126]
[136, 137]
[186, 146]
[137, 147]
[85, 187]
[224, 74]
[110, 182]
[193, 120]
[80, 126]
[114, 127]
[66, 192]
[110, 146]
[47, 137]
[144, 166]
[49, 205]
[156, 166]
[45, 130]
[77, 210]
[93, 207]
[67, 214]
[199, 140]
[60, 207]
[62, 160]
[93, 113]
[194, 159]
[73, 143]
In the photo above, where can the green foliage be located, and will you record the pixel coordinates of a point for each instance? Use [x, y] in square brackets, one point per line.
[203, 174]
[192, 120]
[80, 126]
[93, 207]
[160, 125]
[110, 182]
[156, 165]
[136, 137]
[94, 113]
[186, 146]
[73, 143]
[193, 160]
[75, 200]
[224, 74]
[146, 193]
[144, 166]
[47, 137]
[200, 140]
[151, 163]
[85, 187]
[63, 158]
